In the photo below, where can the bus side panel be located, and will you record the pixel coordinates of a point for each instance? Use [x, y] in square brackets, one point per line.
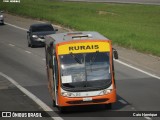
[49, 74]
[51, 84]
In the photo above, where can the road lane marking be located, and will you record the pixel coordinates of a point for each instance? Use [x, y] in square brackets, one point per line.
[33, 97]
[135, 68]
[16, 26]
[123, 63]
[123, 102]
[28, 52]
[11, 45]
[148, 118]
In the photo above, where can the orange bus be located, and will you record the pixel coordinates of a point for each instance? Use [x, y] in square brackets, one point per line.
[80, 69]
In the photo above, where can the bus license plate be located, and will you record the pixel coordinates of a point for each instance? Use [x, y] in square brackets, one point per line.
[87, 99]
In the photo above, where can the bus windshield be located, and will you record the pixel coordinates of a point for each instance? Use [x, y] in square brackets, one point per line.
[85, 71]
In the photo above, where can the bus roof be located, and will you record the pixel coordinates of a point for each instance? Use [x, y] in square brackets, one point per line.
[69, 36]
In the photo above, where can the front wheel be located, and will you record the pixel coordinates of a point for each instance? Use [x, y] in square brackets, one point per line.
[62, 109]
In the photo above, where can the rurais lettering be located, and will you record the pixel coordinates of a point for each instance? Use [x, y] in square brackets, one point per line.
[88, 47]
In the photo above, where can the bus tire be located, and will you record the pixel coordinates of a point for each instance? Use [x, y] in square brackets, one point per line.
[108, 106]
[61, 109]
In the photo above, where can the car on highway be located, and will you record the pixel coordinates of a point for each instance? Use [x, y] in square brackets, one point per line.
[37, 32]
[1, 18]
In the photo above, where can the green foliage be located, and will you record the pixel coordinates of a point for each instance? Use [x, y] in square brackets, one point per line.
[129, 25]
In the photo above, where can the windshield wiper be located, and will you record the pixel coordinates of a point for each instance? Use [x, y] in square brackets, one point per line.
[75, 58]
[93, 58]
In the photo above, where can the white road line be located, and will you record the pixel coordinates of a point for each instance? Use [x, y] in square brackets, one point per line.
[32, 96]
[123, 63]
[28, 52]
[135, 68]
[11, 45]
[123, 102]
[148, 118]
[16, 26]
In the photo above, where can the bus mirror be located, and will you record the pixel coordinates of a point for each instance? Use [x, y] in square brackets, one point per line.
[115, 53]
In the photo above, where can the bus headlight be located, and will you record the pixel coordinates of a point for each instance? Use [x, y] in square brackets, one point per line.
[67, 94]
[106, 91]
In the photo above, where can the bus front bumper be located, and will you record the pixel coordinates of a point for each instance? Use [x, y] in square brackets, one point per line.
[75, 101]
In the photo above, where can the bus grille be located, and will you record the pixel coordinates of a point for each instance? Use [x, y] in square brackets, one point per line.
[82, 102]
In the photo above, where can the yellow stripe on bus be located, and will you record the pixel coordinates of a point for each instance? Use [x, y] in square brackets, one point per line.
[83, 47]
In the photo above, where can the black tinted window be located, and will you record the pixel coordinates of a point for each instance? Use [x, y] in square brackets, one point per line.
[42, 28]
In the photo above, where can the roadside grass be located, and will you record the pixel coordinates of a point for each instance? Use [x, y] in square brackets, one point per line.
[129, 25]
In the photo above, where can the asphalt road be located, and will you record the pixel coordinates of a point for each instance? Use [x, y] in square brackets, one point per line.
[153, 2]
[136, 91]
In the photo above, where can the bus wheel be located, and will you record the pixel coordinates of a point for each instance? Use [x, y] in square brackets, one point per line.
[61, 109]
[108, 106]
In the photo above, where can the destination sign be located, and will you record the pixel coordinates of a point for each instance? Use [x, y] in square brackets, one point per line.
[83, 47]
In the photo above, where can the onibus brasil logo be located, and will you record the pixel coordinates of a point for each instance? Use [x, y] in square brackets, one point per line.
[13, 1]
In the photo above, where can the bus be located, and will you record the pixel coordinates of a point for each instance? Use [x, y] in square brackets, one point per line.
[80, 69]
